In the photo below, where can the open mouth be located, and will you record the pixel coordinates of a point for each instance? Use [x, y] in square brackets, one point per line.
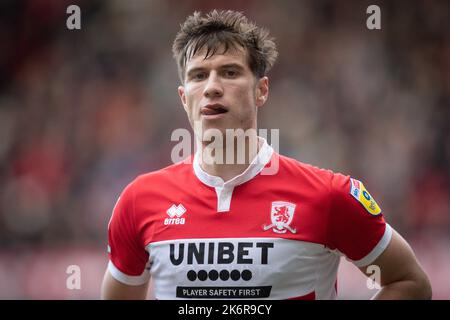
[213, 109]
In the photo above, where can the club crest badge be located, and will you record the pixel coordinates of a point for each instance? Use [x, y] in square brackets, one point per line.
[281, 216]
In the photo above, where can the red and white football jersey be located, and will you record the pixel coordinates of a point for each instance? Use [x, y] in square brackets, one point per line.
[256, 236]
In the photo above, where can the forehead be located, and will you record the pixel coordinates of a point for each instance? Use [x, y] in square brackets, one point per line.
[231, 56]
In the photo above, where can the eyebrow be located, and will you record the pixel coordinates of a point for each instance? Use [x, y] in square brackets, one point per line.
[225, 66]
[232, 65]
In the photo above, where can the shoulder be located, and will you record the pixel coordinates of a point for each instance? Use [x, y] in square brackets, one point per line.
[311, 174]
[171, 174]
[149, 190]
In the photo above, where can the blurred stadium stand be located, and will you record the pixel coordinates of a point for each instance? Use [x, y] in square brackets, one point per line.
[83, 112]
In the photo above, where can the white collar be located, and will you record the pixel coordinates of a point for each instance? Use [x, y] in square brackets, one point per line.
[259, 162]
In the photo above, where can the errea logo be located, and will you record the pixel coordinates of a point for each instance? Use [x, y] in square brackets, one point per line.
[175, 213]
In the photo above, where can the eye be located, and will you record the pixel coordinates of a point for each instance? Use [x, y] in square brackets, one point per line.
[231, 73]
[199, 76]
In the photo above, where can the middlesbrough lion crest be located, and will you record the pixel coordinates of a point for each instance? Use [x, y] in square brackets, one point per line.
[281, 216]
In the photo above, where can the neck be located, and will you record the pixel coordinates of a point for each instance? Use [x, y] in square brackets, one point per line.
[231, 159]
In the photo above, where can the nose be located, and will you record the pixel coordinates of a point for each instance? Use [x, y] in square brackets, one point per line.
[213, 87]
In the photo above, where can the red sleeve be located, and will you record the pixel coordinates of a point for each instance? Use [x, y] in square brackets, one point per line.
[356, 225]
[127, 255]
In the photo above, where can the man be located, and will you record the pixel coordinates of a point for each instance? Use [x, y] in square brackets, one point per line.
[231, 230]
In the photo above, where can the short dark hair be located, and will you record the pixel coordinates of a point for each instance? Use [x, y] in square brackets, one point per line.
[228, 29]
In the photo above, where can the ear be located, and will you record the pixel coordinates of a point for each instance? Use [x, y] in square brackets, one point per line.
[181, 92]
[262, 91]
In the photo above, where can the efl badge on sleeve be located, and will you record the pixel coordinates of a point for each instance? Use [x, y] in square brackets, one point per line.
[281, 215]
[359, 192]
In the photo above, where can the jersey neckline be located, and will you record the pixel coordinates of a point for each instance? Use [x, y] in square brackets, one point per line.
[256, 166]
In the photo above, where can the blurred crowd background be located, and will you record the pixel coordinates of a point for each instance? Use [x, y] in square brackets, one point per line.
[83, 112]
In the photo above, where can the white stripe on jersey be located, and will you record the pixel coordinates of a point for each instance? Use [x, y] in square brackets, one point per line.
[377, 250]
[126, 279]
[281, 267]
